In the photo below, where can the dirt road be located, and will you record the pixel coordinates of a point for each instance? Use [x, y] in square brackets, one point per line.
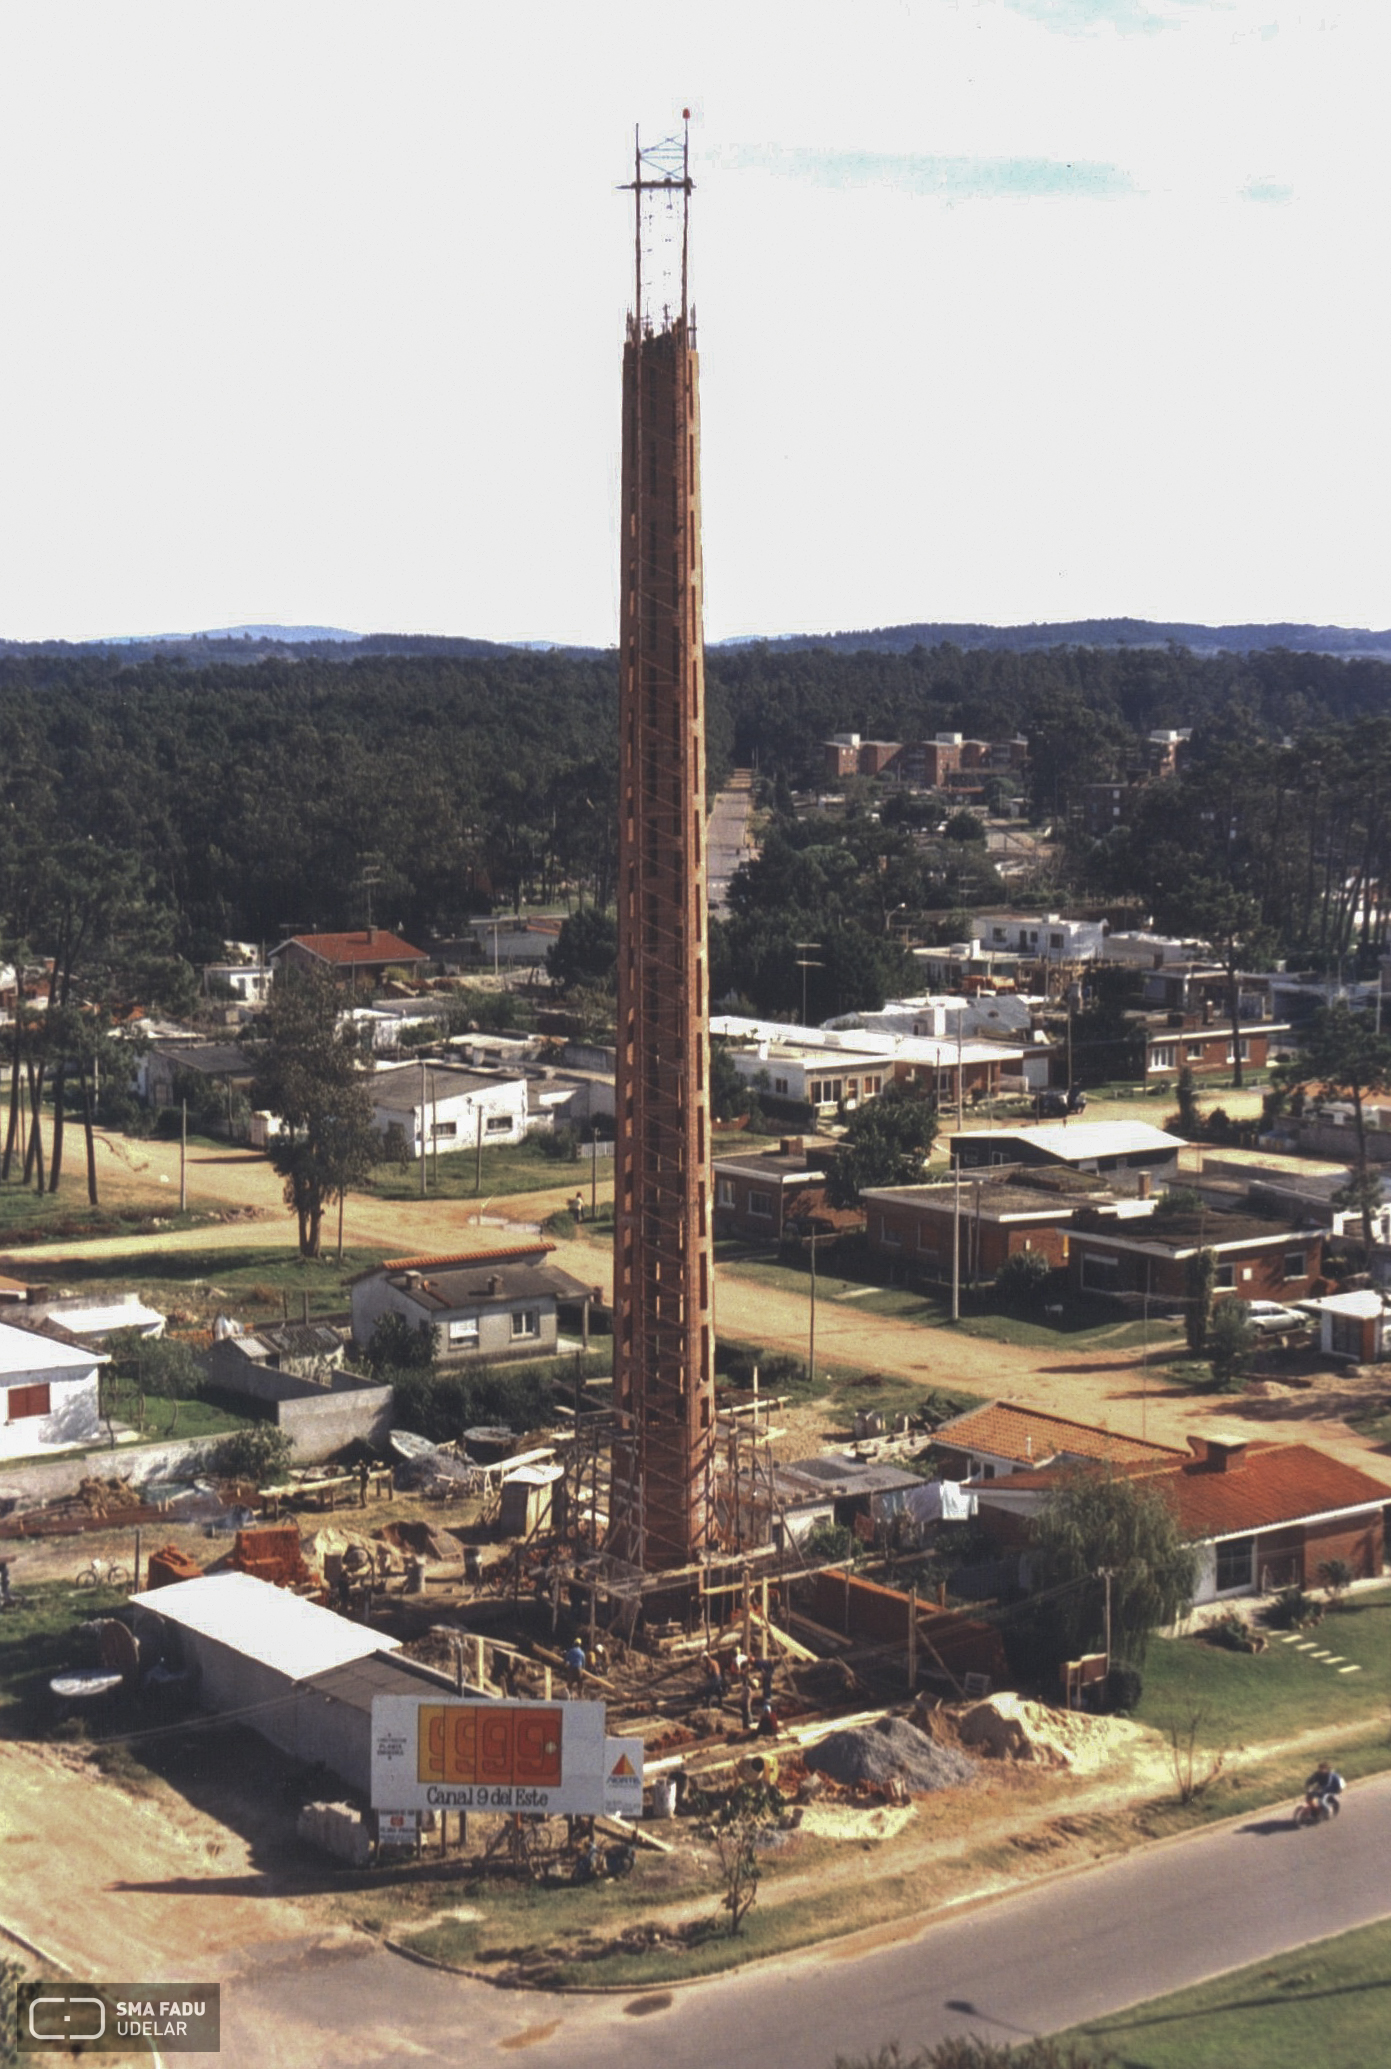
[1110, 1387]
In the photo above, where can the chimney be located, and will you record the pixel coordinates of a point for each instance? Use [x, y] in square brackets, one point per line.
[792, 1146]
[494, 1284]
[1220, 1454]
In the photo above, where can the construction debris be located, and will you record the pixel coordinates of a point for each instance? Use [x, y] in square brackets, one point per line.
[890, 1750]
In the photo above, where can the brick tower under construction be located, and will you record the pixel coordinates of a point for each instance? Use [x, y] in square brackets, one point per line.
[660, 1491]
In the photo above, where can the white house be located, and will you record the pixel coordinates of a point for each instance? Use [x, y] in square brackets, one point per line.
[460, 1108]
[48, 1393]
[1045, 936]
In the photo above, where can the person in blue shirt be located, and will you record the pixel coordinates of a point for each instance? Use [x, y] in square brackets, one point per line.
[1325, 1786]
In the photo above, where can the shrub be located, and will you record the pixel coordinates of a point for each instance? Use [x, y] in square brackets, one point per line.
[1123, 1689]
[1230, 1342]
[396, 1345]
[1023, 1280]
[1292, 1610]
[260, 1453]
[1337, 1576]
[828, 1541]
[964, 2051]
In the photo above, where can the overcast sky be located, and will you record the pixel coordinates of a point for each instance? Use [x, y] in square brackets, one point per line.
[1008, 310]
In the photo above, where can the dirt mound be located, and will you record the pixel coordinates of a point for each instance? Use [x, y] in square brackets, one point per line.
[889, 1750]
[1006, 1727]
[422, 1538]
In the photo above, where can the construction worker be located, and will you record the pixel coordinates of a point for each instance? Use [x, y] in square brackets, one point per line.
[575, 1664]
[364, 1481]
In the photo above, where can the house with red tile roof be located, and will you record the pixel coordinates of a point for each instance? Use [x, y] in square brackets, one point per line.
[362, 956]
[1261, 1516]
[1001, 1438]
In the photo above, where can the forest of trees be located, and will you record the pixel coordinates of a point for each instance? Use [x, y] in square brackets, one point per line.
[151, 809]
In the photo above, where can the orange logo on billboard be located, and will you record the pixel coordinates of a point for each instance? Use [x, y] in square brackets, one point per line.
[623, 1770]
[487, 1745]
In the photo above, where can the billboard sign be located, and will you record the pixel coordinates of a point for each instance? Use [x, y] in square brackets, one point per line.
[547, 1758]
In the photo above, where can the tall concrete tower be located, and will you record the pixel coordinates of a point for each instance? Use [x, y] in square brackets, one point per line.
[660, 1502]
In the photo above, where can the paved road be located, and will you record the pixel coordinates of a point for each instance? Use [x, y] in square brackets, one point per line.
[1066, 1951]
[727, 841]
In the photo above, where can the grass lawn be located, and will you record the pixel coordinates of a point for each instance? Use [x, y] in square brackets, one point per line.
[1328, 2005]
[520, 1167]
[1245, 1698]
[1080, 1322]
[30, 1217]
[37, 1640]
[253, 1281]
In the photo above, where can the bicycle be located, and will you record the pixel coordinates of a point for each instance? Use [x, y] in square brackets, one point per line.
[104, 1573]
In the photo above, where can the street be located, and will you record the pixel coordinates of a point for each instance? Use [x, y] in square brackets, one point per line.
[1058, 1953]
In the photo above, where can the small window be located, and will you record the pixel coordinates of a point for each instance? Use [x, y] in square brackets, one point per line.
[1193, 1051]
[526, 1322]
[1163, 1056]
[724, 1192]
[1055, 940]
[780, 1085]
[1296, 1265]
[873, 1086]
[28, 1401]
[499, 1124]
[1226, 1278]
[816, 1092]
[1234, 1561]
[443, 1128]
[464, 1331]
[760, 1205]
[892, 1237]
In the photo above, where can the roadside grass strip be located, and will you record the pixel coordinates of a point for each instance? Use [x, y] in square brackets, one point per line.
[1327, 2004]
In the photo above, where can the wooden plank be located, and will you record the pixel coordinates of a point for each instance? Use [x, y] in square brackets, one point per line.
[610, 1822]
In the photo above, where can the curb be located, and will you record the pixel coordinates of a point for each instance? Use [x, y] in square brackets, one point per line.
[841, 1946]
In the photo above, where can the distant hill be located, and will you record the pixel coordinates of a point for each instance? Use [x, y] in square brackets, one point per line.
[1095, 632]
[245, 643]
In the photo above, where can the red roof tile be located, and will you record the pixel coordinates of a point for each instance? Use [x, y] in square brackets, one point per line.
[1269, 1484]
[1265, 1487]
[1006, 1431]
[436, 1259]
[368, 945]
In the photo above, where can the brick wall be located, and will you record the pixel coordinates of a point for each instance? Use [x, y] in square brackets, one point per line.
[877, 1614]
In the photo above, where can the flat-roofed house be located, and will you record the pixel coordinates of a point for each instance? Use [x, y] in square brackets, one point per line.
[436, 1105]
[993, 1217]
[1257, 1258]
[758, 1192]
[1111, 1147]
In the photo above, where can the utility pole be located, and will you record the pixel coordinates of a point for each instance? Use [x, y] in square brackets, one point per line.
[956, 1235]
[1069, 1053]
[1106, 1574]
[811, 1330]
[423, 1118]
[803, 964]
[478, 1154]
[183, 1159]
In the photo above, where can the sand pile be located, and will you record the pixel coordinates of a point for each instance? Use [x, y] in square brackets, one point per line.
[889, 1750]
[1006, 1727]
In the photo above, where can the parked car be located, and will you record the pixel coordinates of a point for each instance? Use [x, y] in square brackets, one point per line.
[1268, 1318]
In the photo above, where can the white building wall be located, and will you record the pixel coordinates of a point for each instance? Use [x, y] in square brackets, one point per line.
[453, 1118]
[72, 1417]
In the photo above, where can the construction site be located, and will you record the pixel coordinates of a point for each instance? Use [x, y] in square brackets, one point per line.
[652, 1549]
